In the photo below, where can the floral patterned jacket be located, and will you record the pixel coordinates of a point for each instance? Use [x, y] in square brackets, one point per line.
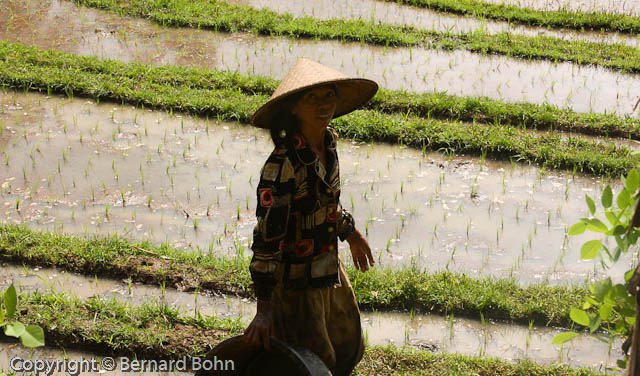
[300, 219]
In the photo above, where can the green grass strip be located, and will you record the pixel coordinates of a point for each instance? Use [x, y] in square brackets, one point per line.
[491, 111]
[204, 94]
[562, 19]
[155, 331]
[380, 288]
[499, 142]
[436, 105]
[151, 330]
[221, 16]
[390, 361]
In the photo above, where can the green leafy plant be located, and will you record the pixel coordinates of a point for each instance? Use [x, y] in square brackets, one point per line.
[31, 335]
[608, 307]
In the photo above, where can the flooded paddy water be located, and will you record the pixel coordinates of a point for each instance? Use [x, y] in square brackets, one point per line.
[628, 7]
[84, 168]
[66, 27]
[398, 14]
[426, 332]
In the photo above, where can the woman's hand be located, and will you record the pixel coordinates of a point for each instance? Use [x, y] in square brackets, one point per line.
[260, 330]
[362, 258]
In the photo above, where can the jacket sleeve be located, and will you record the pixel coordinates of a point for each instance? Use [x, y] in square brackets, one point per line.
[274, 194]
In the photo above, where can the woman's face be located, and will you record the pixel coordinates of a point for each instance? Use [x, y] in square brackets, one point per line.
[316, 107]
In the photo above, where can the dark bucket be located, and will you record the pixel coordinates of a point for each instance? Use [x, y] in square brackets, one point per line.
[249, 360]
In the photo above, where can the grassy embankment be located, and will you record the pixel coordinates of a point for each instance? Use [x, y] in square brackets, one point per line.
[221, 16]
[398, 289]
[156, 331]
[427, 105]
[234, 97]
[562, 18]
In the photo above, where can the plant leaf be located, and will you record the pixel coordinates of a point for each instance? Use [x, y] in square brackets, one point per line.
[579, 316]
[623, 243]
[605, 310]
[632, 181]
[605, 258]
[618, 230]
[596, 225]
[10, 301]
[563, 337]
[619, 291]
[624, 198]
[14, 329]
[611, 217]
[629, 315]
[607, 197]
[590, 204]
[33, 336]
[591, 300]
[628, 275]
[594, 322]
[616, 254]
[577, 229]
[590, 249]
[601, 288]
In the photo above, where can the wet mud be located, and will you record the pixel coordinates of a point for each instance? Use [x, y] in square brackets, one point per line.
[425, 332]
[63, 26]
[83, 168]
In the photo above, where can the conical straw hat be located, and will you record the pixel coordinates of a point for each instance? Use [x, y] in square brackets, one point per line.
[306, 74]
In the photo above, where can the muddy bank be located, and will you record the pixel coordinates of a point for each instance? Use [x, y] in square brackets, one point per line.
[91, 32]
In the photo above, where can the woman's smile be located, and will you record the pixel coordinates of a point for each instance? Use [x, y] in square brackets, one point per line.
[324, 115]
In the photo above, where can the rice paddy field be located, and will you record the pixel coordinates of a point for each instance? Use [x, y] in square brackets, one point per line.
[128, 171]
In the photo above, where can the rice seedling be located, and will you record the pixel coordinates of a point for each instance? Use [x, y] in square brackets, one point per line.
[484, 335]
[474, 189]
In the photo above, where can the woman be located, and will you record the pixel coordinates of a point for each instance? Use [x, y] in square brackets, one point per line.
[304, 296]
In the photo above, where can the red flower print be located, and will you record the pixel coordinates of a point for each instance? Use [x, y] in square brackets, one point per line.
[266, 197]
[304, 247]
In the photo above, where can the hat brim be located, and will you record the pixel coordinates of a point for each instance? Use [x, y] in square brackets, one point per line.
[353, 93]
